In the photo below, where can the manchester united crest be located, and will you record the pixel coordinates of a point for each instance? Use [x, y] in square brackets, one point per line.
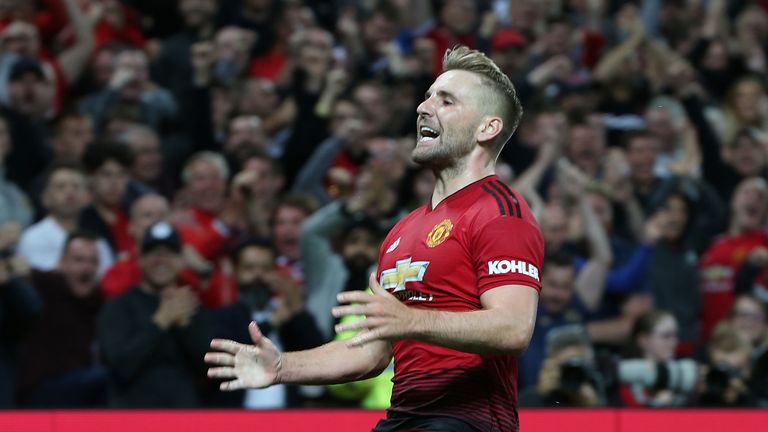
[439, 233]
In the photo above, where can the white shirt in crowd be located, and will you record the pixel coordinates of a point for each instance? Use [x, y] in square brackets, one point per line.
[42, 245]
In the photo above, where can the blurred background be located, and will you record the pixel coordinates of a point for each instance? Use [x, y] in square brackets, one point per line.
[243, 159]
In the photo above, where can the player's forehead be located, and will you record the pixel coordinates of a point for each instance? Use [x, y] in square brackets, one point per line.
[459, 83]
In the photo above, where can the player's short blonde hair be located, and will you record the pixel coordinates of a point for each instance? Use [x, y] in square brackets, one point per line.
[503, 97]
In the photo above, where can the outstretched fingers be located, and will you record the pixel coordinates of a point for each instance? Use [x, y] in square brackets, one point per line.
[227, 345]
[218, 358]
[231, 385]
[222, 372]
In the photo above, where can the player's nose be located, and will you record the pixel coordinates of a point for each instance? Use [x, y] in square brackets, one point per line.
[424, 108]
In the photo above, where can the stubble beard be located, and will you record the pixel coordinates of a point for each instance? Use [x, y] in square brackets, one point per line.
[448, 154]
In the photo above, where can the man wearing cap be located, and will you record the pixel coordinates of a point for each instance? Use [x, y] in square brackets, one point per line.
[154, 336]
[25, 100]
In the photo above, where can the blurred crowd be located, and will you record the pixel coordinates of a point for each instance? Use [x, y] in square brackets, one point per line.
[172, 170]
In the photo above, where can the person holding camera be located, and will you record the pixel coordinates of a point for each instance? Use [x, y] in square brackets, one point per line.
[569, 375]
[650, 375]
[725, 379]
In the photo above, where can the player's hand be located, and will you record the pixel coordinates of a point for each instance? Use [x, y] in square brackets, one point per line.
[386, 317]
[251, 366]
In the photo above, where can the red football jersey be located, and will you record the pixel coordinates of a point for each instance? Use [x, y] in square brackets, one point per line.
[717, 274]
[479, 238]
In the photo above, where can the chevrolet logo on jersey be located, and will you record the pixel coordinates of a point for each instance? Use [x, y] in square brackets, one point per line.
[404, 271]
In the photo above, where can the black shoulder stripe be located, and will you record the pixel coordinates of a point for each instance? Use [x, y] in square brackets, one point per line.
[496, 197]
[513, 196]
[505, 196]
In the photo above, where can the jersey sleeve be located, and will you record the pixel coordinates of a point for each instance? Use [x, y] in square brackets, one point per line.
[508, 251]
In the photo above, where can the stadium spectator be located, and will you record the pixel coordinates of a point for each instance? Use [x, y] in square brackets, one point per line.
[719, 264]
[15, 207]
[107, 165]
[153, 337]
[130, 85]
[20, 308]
[64, 197]
[71, 303]
[654, 338]
[275, 302]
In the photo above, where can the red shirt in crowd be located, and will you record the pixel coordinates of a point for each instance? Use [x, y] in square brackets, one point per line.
[717, 274]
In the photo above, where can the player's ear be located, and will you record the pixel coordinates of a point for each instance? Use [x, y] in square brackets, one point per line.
[488, 129]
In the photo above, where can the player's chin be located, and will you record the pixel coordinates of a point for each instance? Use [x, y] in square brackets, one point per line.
[424, 153]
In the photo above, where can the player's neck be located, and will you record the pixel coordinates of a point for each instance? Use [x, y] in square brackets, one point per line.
[465, 172]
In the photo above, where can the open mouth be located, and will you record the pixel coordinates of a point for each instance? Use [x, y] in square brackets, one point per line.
[427, 133]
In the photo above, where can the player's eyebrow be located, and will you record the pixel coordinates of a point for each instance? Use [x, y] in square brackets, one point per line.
[442, 93]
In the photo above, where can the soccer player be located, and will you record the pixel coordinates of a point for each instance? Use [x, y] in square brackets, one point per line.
[456, 290]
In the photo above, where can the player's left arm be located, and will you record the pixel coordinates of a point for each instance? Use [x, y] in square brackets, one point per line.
[503, 326]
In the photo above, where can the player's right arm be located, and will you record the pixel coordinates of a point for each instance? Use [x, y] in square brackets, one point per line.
[262, 364]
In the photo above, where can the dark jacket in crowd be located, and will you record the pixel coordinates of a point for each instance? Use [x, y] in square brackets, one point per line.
[20, 307]
[149, 366]
[64, 339]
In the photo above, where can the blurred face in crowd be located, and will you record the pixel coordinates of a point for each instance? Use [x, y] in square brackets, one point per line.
[148, 161]
[232, 45]
[254, 263]
[108, 183]
[360, 250]
[20, 38]
[716, 56]
[554, 226]
[160, 267]
[268, 182]
[602, 208]
[660, 124]
[103, 66]
[558, 38]
[448, 119]
[524, 14]
[245, 135]
[286, 231]
[259, 98]
[65, 194]
[206, 185]
[459, 16]
[557, 287]
[661, 342]
[746, 99]
[375, 106]
[746, 155]
[197, 12]
[348, 120]
[134, 61]
[146, 211]
[748, 318]
[72, 136]
[384, 157]
[585, 149]
[30, 95]
[676, 212]
[80, 264]
[748, 205]
[378, 31]
[315, 53]
[641, 155]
